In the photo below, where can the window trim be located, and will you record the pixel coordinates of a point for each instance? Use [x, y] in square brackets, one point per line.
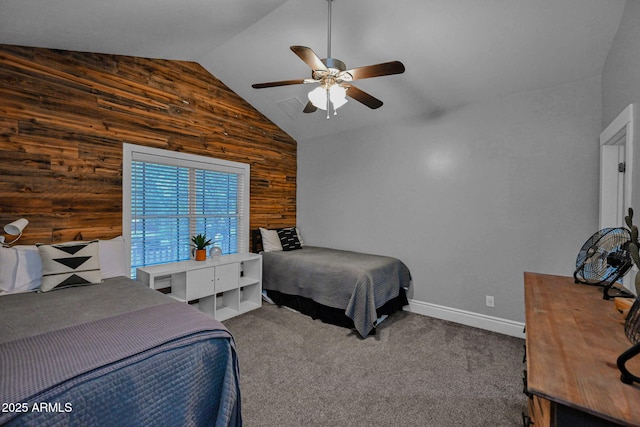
[133, 152]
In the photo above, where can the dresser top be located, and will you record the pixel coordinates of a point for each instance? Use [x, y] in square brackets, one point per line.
[574, 338]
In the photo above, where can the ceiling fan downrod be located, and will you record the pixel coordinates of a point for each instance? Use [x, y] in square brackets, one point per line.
[329, 31]
[329, 56]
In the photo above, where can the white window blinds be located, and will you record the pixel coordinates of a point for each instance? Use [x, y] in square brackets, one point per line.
[172, 196]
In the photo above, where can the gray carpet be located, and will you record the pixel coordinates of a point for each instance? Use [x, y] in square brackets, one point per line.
[417, 371]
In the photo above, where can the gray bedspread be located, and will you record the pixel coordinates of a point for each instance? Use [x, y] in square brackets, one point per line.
[116, 353]
[356, 282]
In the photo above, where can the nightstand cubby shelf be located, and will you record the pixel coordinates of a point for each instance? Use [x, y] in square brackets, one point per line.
[222, 287]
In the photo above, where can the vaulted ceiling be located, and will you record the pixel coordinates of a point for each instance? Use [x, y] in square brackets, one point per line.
[455, 51]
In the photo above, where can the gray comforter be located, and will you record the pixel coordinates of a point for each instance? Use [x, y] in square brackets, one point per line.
[116, 353]
[356, 282]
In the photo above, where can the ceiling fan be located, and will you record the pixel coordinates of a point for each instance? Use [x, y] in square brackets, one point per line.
[334, 79]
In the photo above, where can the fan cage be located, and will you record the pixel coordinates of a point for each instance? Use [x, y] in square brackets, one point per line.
[604, 258]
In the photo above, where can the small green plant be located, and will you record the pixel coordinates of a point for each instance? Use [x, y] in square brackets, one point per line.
[200, 241]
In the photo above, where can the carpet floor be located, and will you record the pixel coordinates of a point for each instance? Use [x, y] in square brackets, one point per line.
[416, 371]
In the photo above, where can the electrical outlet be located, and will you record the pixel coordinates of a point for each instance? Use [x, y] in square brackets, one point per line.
[489, 301]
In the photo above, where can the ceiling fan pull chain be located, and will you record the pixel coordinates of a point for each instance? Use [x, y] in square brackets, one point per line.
[328, 96]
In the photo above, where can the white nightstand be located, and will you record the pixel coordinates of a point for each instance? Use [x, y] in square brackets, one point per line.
[224, 287]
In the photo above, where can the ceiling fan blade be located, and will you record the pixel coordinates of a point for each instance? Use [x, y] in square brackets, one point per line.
[363, 97]
[309, 57]
[309, 108]
[280, 83]
[384, 69]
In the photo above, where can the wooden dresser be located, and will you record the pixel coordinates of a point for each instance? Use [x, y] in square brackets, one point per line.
[573, 340]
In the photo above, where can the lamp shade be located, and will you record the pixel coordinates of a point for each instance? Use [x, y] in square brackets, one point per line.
[337, 96]
[318, 98]
[15, 228]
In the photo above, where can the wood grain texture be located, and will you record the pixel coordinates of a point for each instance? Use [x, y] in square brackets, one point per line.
[540, 411]
[574, 338]
[63, 119]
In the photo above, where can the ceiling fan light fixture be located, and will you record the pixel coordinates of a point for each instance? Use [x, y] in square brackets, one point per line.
[334, 79]
[337, 96]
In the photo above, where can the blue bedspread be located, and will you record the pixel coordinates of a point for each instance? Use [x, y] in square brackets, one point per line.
[165, 365]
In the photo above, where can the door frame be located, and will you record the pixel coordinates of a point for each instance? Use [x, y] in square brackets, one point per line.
[616, 146]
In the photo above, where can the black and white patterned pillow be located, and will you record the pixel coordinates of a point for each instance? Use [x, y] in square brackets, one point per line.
[69, 264]
[289, 239]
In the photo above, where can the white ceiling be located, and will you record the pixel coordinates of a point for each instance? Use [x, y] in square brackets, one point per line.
[455, 51]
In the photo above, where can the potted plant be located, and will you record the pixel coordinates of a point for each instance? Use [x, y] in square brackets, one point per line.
[200, 242]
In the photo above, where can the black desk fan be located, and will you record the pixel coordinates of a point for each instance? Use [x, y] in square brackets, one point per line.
[606, 257]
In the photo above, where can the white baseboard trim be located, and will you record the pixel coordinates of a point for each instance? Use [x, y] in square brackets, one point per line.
[468, 318]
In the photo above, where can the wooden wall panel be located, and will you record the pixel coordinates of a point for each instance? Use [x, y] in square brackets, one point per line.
[65, 115]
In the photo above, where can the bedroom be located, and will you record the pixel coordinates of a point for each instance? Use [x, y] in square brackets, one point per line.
[500, 195]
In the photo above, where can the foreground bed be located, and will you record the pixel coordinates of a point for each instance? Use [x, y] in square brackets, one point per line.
[115, 353]
[345, 288]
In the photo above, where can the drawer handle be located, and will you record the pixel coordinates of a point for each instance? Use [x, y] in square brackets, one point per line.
[525, 388]
[526, 420]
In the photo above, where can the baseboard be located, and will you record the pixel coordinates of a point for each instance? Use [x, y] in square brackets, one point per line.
[468, 318]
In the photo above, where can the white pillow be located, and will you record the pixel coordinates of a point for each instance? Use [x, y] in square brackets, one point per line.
[270, 240]
[29, 269]
[8, 267]
[299, 236]
[112, 258]
[21, 265]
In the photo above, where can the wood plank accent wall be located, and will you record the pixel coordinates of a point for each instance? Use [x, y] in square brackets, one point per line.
[63, 119]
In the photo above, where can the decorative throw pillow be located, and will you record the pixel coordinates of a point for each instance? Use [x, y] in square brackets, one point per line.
[270, 240]
[289, 239]
[69, 264]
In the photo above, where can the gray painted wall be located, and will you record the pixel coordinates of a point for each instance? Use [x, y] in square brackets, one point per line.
[469, 200]
[621, 72]
[621, 86]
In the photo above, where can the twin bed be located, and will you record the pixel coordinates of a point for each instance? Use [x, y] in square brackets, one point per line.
[349, 289]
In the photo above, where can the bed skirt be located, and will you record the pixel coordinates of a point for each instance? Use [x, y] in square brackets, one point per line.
[331, 315]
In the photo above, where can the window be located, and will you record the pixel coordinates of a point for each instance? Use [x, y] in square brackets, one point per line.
[170, 196]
